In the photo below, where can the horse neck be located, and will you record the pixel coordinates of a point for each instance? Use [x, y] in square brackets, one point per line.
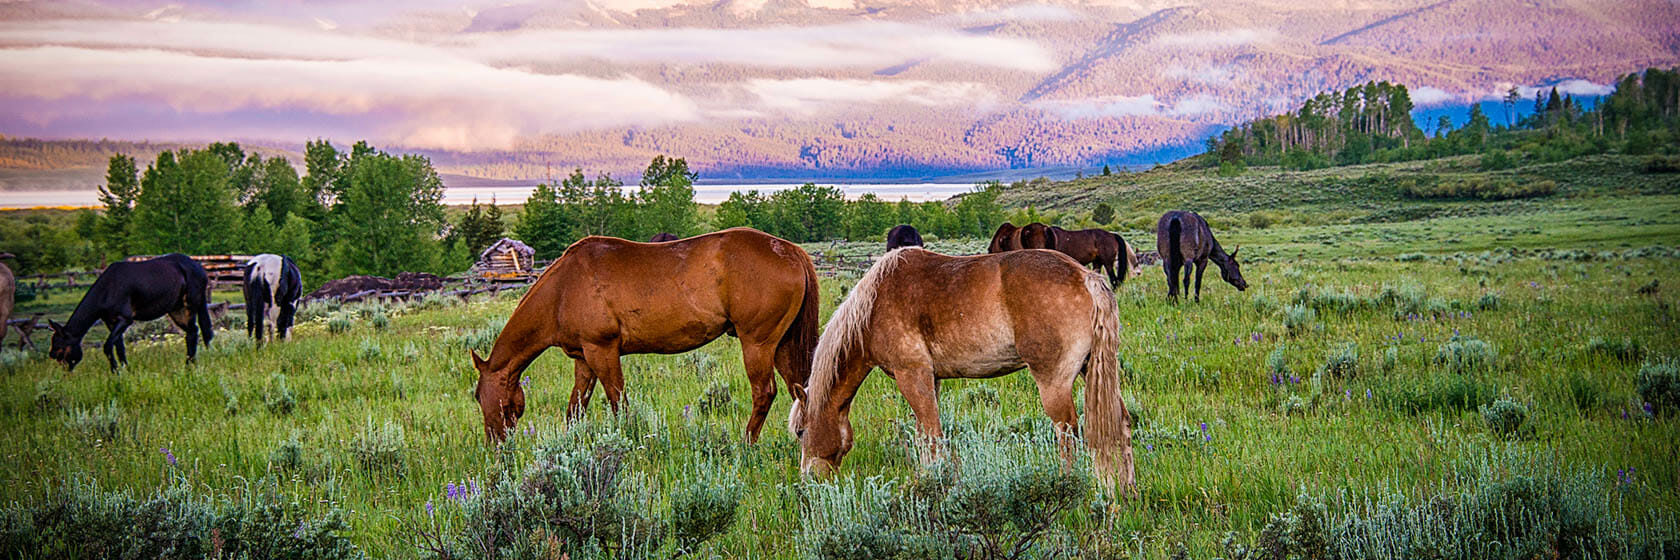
[843, 386]
[529, 332]
[86, 314]
[1217, 254]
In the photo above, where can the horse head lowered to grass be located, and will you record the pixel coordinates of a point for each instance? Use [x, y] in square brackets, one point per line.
[922, 317]
[608, 297]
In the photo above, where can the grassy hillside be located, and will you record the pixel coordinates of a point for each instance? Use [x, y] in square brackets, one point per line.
[1463, 384]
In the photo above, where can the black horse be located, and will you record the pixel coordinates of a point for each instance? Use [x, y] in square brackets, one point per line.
[1183, 238]
[903, 235]
[173, 285]
[272, 288]
[662, 237]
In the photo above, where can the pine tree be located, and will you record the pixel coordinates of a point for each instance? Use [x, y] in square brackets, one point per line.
[121, 188]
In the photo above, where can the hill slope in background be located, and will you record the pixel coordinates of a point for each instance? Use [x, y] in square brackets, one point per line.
[1122, 79]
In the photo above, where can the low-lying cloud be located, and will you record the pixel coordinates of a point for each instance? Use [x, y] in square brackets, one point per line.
[1129, 106]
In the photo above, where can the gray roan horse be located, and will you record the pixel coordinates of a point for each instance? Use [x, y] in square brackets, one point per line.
[922, 316]
[1184, 239]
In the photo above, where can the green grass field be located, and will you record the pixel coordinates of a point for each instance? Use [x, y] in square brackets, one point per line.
[1333, 375]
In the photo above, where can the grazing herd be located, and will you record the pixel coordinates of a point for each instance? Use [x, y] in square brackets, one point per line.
[919, 316]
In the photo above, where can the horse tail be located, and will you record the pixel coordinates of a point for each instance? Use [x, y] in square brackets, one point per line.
[1107, 430]
[1122, 265]
[1175, 255]
[799, 343]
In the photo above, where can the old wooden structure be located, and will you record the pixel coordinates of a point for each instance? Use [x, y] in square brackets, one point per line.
[506, 260]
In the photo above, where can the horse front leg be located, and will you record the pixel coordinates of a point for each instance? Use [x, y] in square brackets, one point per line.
[583, 388]
[283, 326]
[921, 392]
[114, 342]
[1200, 268]
[760, 361]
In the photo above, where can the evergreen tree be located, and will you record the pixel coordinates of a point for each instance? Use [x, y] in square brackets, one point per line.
[1103, 214]
[392, 212]
[118, 194]
[666, 199]
[545, 224]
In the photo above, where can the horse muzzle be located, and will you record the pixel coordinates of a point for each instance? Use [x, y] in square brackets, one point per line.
[817, 468]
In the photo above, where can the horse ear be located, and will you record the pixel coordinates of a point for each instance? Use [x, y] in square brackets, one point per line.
[51, 324]
[478, 363]
[1234, 251]
[798, 392]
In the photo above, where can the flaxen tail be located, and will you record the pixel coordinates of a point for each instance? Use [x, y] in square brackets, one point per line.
[799, 344]
[1107, 429]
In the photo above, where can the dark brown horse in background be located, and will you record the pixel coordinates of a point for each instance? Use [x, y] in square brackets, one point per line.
[8, 289]
[1003, 239]
[608, 297]
[1036, 236]
[1095, 247]
[903, 235]
[125, 292]
[1183, 238]
[922, 316]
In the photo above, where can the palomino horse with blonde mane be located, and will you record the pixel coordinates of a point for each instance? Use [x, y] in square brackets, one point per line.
[607, 297]
[922, 316]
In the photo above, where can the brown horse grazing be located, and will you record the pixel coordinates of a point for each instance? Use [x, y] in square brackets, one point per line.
[1035, 236]
[903, 235]
[607, 297]
[1004, 239]
[1097, 248]
[1183, 239]
[922, 316]
[662, 237]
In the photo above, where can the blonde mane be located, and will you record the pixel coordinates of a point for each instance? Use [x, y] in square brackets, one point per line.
[845, 327]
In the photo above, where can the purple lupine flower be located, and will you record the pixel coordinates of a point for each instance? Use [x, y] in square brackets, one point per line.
[1204, 427]
[449, 490]
[1649, 410]
[1624, 413]
[524, 380]
[1148, 447]
[429, 508]
[688, 412]
[1292, 379]
[1347, 394]
[1255, 337]
[1367, 394]
[167, 456]
[530, 429]
[1275, 379]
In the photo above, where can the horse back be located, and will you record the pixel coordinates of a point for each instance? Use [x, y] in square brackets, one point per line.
[978, 316]
[675, 296]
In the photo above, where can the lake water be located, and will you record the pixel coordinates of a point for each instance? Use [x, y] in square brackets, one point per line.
[706, 194]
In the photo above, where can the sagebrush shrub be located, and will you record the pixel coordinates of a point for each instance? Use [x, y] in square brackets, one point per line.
[281, 399]
[1505, 417]
[287, 456]
[1658, 383]
[1342, 362]
[705, 507]
[381, 449]
[1299, 319]
[1625, 349]
[1463, 354]
[78, 520]
[98, 422]
[340, 323]
[716, 399]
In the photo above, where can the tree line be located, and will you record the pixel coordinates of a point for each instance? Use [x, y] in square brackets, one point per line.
[1373, 123]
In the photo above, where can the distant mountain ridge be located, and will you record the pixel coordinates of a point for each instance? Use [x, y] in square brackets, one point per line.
[1128, 78]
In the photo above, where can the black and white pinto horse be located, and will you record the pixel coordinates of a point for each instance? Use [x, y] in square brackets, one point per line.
[272, 288]
[173, 285]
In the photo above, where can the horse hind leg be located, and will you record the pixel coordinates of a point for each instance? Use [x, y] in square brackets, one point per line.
[1200, 268]
[603, 361]
[183, 318]
[1171, 269]
[760, 361]
[1055, 392]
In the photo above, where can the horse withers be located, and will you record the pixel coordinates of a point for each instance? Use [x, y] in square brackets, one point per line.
[903, 235]
[608, 297]
[125, 292]
[1184, 239]
[272, 287]
[922, 316]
